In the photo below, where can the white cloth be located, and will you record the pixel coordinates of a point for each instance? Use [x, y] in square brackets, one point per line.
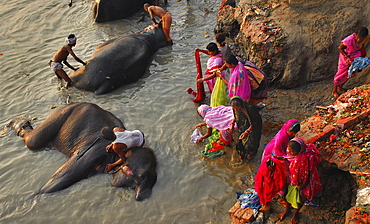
[133, 138]
[195, 136]
[71, 40]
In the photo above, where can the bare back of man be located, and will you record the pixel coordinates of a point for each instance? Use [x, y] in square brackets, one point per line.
[61, 56]
[165, 19]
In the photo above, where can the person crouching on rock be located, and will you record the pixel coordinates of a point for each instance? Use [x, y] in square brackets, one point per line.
[122, 141]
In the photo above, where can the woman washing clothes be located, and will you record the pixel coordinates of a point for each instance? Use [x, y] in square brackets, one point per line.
[249, 123]
[219, 118]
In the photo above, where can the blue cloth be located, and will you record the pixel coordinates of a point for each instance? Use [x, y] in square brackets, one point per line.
[249, 199]
[358, 65]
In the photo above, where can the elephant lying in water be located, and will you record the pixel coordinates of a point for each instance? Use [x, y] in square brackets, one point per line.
[74, 130]
[119, 61]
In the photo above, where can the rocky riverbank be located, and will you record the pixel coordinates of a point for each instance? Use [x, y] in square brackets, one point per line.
[295, 42]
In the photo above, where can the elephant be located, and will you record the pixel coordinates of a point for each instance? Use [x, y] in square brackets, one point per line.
[119, 61]
[109, 10]
[74, 129]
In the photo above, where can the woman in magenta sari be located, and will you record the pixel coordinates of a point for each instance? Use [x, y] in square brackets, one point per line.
[349, 49]
[238, 84]
[279, 144]
[214, 62]
[304, 179]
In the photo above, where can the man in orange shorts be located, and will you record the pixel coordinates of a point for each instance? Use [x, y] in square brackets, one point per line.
[166, 19]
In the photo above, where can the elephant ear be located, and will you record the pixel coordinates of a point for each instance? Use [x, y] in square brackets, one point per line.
[144, 183]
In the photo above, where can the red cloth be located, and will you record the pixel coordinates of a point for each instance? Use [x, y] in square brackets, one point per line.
[270, 181]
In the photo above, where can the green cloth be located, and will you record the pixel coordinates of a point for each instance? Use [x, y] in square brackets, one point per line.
[213, 138]
[219, 95]
[293, 196]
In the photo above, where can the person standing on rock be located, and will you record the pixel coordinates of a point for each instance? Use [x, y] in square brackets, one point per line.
[350, 48]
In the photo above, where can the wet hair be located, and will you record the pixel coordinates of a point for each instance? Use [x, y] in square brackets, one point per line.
[295, 146]
[295, 127]
[146, 5]
[232, 60]
[220, 37]
[362, 32]
[213, 47]
[107, 133]
[71, 36]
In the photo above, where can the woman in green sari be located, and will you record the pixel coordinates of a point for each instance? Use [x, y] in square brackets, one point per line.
[249, 124]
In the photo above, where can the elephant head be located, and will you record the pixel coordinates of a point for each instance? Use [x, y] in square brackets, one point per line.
[140, 173]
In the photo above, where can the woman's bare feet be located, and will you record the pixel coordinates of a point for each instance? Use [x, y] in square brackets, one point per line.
[295, 218]
[265, 208]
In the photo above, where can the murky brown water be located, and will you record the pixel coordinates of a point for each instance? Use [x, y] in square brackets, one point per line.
[189, 189]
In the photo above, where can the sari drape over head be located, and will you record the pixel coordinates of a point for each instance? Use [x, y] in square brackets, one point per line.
[239, 82]
[278, 145]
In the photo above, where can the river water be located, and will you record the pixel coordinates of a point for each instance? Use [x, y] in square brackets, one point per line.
[189, 189]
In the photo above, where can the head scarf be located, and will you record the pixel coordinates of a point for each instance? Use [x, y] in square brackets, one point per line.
[217, 117]
[301, 142]
[278, 145]
[203, 109]
[71, 40]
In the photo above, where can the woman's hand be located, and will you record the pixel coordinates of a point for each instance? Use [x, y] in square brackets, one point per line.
[199, 140]
[200, 80]
[245, 134]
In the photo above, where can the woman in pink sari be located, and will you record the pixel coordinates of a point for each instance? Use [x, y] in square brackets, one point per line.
[304, 179]
[238, 84]
[349, 49]
[214, 62]
[219, 118]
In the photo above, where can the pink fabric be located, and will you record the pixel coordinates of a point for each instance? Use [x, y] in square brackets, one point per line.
[239, 82]
[270, 181]
[226, 136]
[279, 144]
[353, 51]
[217, 117]
[304, 167]
[213, 63]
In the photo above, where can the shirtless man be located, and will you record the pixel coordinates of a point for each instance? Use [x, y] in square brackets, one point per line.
[166, 19]
[61, 56]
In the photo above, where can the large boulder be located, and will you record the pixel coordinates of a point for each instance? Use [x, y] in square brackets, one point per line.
[295, 41]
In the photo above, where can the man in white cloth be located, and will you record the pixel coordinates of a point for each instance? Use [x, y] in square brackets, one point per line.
[122, 141]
